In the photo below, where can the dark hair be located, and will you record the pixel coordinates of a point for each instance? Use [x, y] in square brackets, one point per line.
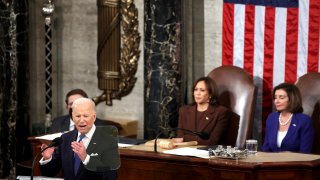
[212, 89]
[76, 91]
[295, 101]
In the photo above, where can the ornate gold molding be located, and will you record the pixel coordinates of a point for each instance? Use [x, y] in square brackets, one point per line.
[119, 82]
[130, 47]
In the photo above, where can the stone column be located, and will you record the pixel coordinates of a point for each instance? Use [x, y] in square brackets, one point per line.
[13, 85]
[163, 66]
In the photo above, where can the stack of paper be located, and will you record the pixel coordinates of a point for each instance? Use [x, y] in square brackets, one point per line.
[187, 151]
[46, 139]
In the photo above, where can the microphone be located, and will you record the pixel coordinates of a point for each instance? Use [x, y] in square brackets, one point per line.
[202, 135]
[54, 143]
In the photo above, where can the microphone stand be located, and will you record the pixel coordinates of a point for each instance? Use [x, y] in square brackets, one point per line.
[202, 135]
[55, 142]
[34, 160]
[155, 141]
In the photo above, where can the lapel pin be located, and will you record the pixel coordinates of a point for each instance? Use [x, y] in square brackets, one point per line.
[207, 118]
[294, 125]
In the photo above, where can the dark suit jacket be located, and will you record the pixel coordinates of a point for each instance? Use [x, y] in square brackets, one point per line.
[63, 158]
[215, 123]
[62, 123]
[299, 137]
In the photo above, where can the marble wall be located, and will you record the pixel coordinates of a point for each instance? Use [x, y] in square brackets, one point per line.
[163, 65]
[13, 85]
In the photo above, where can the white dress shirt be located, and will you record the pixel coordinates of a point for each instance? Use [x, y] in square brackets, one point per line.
[281, 135]
[72, 125]
[86, 140]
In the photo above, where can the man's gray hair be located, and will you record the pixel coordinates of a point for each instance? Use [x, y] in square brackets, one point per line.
[81, 101]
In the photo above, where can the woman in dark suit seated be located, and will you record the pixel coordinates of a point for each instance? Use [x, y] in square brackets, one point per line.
[288, 129]
[204, 115]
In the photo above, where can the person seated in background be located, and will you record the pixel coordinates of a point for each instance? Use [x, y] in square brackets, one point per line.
[82, 153]
[288, 129]
[204, 115]
[65, 123]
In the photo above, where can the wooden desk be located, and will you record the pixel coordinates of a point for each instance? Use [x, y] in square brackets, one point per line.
[144, 164]
[140, 162]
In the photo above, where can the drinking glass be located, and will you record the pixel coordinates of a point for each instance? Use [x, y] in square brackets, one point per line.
[252, 146]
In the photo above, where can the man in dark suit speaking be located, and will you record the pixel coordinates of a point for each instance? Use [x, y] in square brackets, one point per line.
[95, 148]
[65, 123]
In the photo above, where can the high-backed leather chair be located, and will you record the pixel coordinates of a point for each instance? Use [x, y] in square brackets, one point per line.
[239, 94]
[309, 86]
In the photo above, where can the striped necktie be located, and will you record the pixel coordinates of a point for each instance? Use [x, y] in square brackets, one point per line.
[77, 160]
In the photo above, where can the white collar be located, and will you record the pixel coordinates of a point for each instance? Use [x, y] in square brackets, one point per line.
[71, 122]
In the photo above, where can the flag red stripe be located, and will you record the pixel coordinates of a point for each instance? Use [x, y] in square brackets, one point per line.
[268, 65]
[249, 39]
[313, 46]
[227, 34]
[291, 45]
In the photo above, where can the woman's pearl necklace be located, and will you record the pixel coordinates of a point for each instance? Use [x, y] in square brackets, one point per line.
[286, 122]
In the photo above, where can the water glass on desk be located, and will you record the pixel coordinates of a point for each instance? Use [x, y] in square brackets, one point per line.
[252, 146]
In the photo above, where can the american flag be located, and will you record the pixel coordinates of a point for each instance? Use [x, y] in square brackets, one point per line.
[274, 40]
